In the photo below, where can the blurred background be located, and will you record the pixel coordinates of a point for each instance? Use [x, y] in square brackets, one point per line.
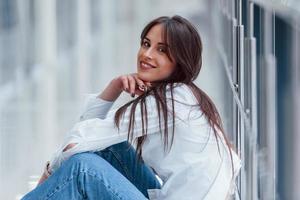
[54, 52]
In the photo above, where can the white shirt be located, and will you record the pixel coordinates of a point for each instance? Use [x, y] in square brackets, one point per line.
[193, 169]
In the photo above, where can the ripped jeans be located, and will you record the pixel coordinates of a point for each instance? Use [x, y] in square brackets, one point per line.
[111, 174]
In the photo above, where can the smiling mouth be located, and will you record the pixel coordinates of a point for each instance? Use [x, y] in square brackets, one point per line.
[145, 65]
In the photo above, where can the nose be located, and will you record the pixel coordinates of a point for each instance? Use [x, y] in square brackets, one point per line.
[149, 54]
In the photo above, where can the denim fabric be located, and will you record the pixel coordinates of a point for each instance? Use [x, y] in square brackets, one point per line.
[123, 158]
[112, 174]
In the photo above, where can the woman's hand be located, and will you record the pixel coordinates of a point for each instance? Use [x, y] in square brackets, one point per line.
[132, 84]
[45, 174]
[129, 83]
[42, 179]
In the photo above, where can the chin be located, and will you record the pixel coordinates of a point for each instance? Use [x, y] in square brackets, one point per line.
[145, 77]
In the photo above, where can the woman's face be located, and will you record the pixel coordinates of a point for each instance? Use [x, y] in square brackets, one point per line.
[153, 63]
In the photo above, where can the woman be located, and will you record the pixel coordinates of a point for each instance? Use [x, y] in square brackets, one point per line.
[175, 127]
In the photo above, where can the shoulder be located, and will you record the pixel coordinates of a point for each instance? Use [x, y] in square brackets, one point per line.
[182, 92]
[182, 95]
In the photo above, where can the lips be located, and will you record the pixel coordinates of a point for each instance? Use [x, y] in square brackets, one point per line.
[145, 65]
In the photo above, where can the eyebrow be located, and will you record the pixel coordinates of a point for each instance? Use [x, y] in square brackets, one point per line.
[160, 43]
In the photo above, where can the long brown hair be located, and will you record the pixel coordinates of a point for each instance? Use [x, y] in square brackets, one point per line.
[185, 46]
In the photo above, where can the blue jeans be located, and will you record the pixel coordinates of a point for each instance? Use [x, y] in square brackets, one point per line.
[113, 173]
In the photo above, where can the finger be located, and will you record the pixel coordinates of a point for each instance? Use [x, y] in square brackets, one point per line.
[140, 83]
[42, 179]
[125, 83]
[139, 92]
[148, 84]
[132, 84]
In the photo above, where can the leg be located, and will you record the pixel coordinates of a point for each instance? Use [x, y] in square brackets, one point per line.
[86, 176]
[123, 157]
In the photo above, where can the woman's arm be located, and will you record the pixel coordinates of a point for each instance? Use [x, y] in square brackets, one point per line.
[97, 134]
[97, 106]
[112, 91]
[128, 83]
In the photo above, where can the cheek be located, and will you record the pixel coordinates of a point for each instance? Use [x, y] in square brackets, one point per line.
[164, 72]
[168, 68]
[138, 53]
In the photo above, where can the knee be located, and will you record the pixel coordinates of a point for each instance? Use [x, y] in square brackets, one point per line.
[84, 161]
[83, 157]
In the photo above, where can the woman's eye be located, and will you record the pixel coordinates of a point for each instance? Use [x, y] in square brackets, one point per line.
[146, 44]
[161, 49]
